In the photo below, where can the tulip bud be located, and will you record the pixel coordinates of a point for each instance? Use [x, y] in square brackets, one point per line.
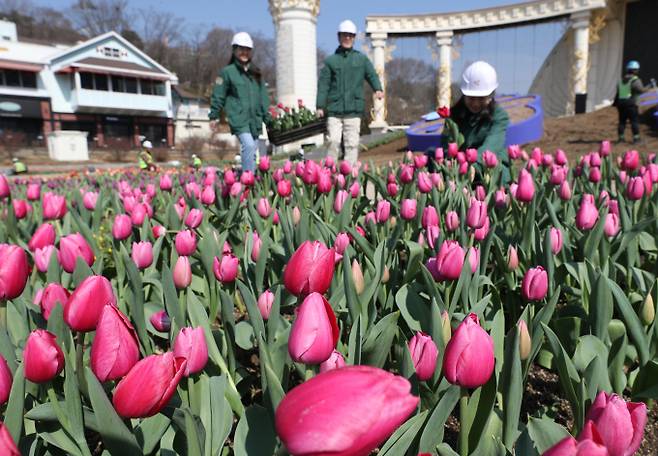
[14, 271]
[255, 246]
[310, 269]
[386, 275]
[512, 258]
[263, 208]
[160, 321]
[194, 218]
[648, 312]
[408, 209]
[85, 305]
[565, 191]
[122, 227]
[587, 214]
[51, 295]
[42, 257]
[335, 361]
[142, 254]
[526, 189]
[158, 231]
[446, 329]
[383, 211]
[476, 214]
[525, 343]
[42, 237]
[314, 332]
[114, 350]
[556, 240]
[424, 354]
[70, 248]
[452, 221]
[182, 272]
[296, 215]
[7, 445]
[430, 217]
[54, 206]
[191, 345]
[469, 356]
[357, 277]
[341, 243]
[185, 243]
[43, 360]
[148, 386]
[6, 381]
[265, 301]
[535, 284]
[226, 269]
[449, 260]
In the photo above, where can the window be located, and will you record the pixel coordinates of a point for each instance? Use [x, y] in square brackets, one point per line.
[111, 52]
[159, 88]
[29, 79]
[118, 84]
[12, 78]
[100, 82]
[87, 81]
[131, 85]
[147, 87]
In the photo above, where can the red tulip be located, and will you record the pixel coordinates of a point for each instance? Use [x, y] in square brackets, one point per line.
[7, 445]
[314, 332]
[54, 206]
[444, 112]
[50, 296]
[185, 243]
[122, 227]
[335, 361]
[182, 272]
[535, 284]
[148, 386]
[424, 354]
[70, 248]
[14, 271]
[160, 321]
[142, 254]
[43, 360]
[6, 381]
[469, 356]
[310, 269]
[526, 189]
[347, 411]
[450, 260]
[265, 301]
[194, 218]
[42, 257]
[191, 345]
[85, 305]
[43, 236]
[226, 268]
[115, 349]
[158, 231]
[619, 423]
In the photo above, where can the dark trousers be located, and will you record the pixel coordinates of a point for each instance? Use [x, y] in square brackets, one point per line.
[628, 112]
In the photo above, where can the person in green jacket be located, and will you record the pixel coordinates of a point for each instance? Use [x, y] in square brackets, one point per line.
[628, 90]
[340, 93]
[482, 123]
[145, 159]
[240, 91]
[19, 166]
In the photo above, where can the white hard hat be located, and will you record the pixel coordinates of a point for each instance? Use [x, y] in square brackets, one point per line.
[347, 26]
[147, 145]
[479, 80]
[242, 39]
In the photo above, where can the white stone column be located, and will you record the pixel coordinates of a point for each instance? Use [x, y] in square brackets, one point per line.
[444, 82]
[296, 46]
[378, 42]
[580, 62]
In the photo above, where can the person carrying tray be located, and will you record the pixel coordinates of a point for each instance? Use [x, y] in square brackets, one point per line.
[340, 93]
[240, 91]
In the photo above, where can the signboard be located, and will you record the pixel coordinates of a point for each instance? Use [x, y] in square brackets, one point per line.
[20, 107]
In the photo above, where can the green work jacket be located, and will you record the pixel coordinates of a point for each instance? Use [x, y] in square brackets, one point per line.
[244, 100]
[340, 86]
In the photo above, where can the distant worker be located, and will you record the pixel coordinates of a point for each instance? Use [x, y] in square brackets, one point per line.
[145, 157]
[340, 93]
[240, 92]
[19, 166]
[628, 90]
[196, 162]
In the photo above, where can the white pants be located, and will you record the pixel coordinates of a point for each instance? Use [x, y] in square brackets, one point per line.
[349, 129]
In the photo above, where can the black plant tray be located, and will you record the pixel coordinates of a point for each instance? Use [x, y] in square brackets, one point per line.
[312, 129]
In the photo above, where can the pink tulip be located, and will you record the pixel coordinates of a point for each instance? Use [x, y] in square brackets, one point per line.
[339, 200]
[612, 225]
[51, 295]
[424, 182]
[512, 258]
[430, 217]
[185, 243]
[620, 424]
[263, 208]
[122, 227]
[138, 214]
[392, 189]
[558, 175]
[408, 209]
[71, 248]
[324, 183]
[165, 183]
[191, 345]
[420, 161]
[310, 269]
[33, 192]
[594, 175]
[587, 214]
[424, 354]
[265, 301]
[42, 257]
[433, 232]
[383, 211]
[406, 174]
[148, 386]
[556, 240]
[89, 200]
[476, 214]
[569, 446]
[21, 208]
[314, 332]
[490, 159]
[635, 188]
[54, 206]
[526, 187]
[335, 361]
[469, 356]
[43, 236]
[194, 218]
[6, 381]
[535, 284]
[208, 195]
[355, 189]
[182, 272]
[226, 268]
[481, 233]
[114, 350]
[7, 445]
[158, 231]
[341, 243]
[631, 160]
[347, 411]
[43, 360]
[450, 260]
[264, 164]
[160, 321]
[605, 148]
[142, 254]
[501, 199]
[85, 305]
[452, 221]
[474, 258]
[5, 191]
[14, 271]
[345, 168]
[565, 191]
[284, 188]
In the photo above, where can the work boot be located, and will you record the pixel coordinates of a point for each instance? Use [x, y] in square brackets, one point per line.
[636, 139]
[621, 139]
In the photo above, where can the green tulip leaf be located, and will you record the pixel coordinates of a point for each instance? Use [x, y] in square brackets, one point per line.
[404, 436]
[255, 433]
[433, 432]
[545, 433]
[377, 345]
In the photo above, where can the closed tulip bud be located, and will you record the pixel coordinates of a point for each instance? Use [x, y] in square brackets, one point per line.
[296, 215]
[535, 284]
[256, 245]
[6, 381]
[226, 268]
[631, 160]
[314, 332]
[612, 225]
[194, 218]
[469, 356]
[481, 233]
[265, 301]
[264, 163]
[339, 200]
[14, 271]
[406, 174]
[160, 321]
[620, 424]
[5, 191]
[355, 189]
[357, 277]
[635, 188]
[565, 191]
[512, 258]
[191, 345]
[21, 208]
[71, 248]
[335, 361]
[33, 192]
[430, 217]
[165, 183]
[450, 260]
[408, 209]
[42, 257]
[525, 342]
[319, 416]
[89, 200]
[594, 175]
[208, 195]
[85, 305]
[43, 360]
[42, 237]
[284, 188]
[476, 214]
[7, 445]
[310, 269]
[114, 350]
[424, 354]
[122, 227]
[386, 275]
[341, 242]
[556, 240]
[54, 206]
[433, 232]
[587, 214]
[446, 329]
[263, 208]
[185, 243]
[383, 211]
[182, 272]
[474, 258]
[490, 159]
[424, 182]
[392, 189]
[452, 221]
[526, 187]
[53, 293]
[648, 312]
[142, 254]
[149, 385]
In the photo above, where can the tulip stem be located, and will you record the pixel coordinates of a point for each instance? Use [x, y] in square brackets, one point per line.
[3, 315]
[463, 431]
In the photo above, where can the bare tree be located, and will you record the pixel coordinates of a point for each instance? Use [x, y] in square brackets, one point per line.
[95, 17]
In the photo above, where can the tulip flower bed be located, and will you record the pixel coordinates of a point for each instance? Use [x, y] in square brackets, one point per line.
[321, 308]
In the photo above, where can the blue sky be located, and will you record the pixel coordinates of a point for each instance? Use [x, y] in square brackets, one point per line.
[517, 53]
